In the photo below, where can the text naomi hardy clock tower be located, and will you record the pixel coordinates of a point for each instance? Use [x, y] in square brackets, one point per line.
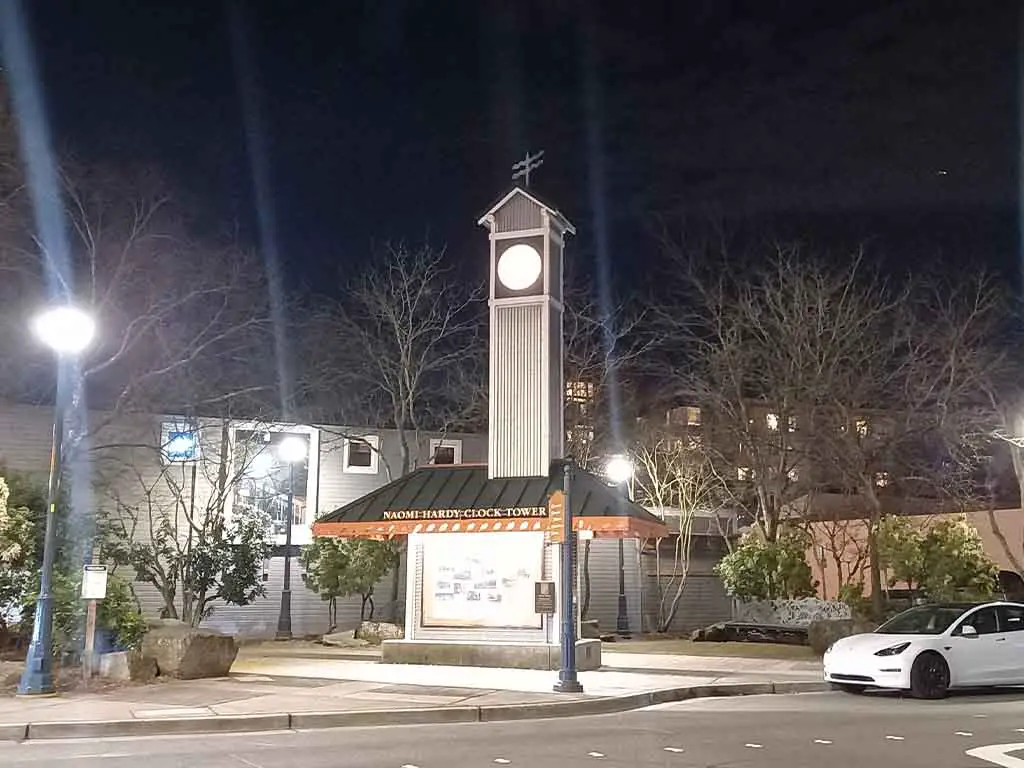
[526, 348]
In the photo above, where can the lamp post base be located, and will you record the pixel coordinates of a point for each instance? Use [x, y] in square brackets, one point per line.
[37, 679]
[568, 686]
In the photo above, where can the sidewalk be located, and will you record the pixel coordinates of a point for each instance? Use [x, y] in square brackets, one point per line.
[272, 691]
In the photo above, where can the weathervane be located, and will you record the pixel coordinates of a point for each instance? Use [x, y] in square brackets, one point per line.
[526, 165]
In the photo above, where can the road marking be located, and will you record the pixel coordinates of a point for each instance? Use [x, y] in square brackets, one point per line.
[598, 755]
[895, 738]
[410, 765]
[997, 755]
[502, 761]
[673, 749]
[963, 733]
[754, 746]
[822, 741]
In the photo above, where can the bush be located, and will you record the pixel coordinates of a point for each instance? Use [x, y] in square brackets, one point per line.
[768, 570]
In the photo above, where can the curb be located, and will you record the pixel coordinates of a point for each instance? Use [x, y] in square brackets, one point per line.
[422, 716]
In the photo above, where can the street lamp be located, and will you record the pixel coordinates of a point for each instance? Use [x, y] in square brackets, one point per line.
[620, 471]
[291, 451]
[68, 331]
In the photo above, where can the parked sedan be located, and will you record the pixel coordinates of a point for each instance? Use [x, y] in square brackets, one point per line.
[931, 648]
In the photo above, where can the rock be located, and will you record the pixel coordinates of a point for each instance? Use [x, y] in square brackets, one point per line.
[343, 640]
[823, 632]
[375, 632]
[589, 630]
[127, 666]
[716, 633]
[189, 653]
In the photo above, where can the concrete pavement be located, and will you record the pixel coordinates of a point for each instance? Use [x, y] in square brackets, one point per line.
[762, 731]
[276, 692]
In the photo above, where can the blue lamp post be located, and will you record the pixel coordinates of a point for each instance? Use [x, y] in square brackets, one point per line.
[68, 332]
[567, 679]
[292, 450]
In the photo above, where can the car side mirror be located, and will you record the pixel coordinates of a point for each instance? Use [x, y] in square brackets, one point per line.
[968, 631]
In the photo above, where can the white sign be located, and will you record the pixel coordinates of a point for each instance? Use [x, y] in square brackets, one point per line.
[481, 579]
[998, 754]
[94, 582]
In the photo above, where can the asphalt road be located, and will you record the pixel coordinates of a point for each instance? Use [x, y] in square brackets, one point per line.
[833, 730]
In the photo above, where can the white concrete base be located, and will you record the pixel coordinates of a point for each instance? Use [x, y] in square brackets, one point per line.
[497, 655]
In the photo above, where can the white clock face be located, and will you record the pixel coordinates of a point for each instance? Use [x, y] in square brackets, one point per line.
[519, 267]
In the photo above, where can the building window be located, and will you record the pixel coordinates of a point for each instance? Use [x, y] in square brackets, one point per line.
[362, 454]
[444, 452]
[793, 474]
[862, 427]
[881, 479]
[686, 416]
[791, 423]
[773, 421]
[744, 473]
[580, 392]
[179, 442]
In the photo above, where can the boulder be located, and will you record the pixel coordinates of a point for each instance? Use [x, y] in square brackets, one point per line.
[823, 632]
[375, 632]
[716, 633]
[343, 640]
[189, 653]
[127, 666]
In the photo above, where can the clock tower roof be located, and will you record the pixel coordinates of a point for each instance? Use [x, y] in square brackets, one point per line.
[517, 196]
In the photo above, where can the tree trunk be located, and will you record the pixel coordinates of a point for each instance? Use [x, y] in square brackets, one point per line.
[875, 567]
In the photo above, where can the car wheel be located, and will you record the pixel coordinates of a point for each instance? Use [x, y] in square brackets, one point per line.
[847, 688]
[929, 677]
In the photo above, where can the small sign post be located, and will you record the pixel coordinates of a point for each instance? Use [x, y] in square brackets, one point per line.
[94, 587]
[544, 597]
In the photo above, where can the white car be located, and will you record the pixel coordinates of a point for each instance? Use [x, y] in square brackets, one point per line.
[931, 648]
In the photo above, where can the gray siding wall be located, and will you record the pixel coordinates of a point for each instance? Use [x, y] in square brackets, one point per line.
[122, 461]
[704, 600]
[604, 583]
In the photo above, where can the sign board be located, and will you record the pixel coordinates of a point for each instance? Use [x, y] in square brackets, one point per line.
[556, 517]
[94, 582]
[544, 597]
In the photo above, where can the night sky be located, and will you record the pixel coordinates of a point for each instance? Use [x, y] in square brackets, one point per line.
[836, 121]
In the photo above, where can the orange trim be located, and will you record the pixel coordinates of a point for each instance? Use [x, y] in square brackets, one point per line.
[612, 527]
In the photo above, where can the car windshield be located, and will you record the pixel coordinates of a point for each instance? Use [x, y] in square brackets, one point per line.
[923, 620]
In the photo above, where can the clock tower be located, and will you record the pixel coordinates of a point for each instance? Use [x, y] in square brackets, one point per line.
[527, 392]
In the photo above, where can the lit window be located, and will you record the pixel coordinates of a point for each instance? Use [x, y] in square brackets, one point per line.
[881, 479]
[791, 423]
[744, 473]
[793, 474]
[580, 392]
[862, 427]
[179, 442]
[687, 416]
[773, 421]
[445, 452]
[362, 454]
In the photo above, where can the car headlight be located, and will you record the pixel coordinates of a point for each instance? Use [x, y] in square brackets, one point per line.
[895, 650]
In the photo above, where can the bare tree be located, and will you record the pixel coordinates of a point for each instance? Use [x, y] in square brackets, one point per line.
[675, 480]
[821, 377]
[406, 347]
[170, 523]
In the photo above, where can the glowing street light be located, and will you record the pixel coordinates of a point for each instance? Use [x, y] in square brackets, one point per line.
[291, 450]
[620, 471]
[68, 331]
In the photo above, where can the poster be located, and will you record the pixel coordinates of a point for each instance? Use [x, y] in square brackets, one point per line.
[481, 580]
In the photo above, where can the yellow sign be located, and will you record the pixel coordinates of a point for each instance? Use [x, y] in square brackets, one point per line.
[556, 517]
